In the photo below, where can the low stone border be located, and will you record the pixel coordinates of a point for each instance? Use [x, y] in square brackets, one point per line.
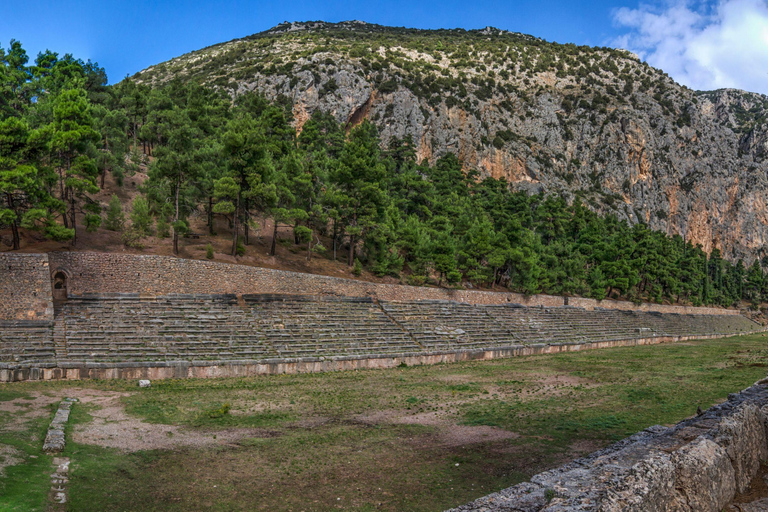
[54, 443]
[697, 465]
[59, 481]
[54, 440]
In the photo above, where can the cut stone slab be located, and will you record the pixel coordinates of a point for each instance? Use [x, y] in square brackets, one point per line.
[54, 440]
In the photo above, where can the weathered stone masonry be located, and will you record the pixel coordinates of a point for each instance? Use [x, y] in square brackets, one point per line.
[125, 318]
[25, 287]
[99, 273]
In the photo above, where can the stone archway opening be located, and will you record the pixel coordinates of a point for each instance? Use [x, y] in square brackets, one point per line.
[60, 285]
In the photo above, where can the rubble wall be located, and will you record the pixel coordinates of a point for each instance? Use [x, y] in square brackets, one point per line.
[25, 287]
[149, 275]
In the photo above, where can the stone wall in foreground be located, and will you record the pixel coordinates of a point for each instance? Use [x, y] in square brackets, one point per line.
[25, 287]
[697, 465]
[148, 275]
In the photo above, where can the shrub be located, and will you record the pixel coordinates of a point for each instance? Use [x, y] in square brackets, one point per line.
[163, 228]
[329, 87]
[209, 251]
[220, 412]
[133, 238]
[388, 86]
[453, 277]
[140, 217]
[92, 222]
[115, 215]
[357, 269]
[416, 280]
[181, 227]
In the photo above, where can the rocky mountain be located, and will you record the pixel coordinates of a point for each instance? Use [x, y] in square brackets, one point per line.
[590, 123]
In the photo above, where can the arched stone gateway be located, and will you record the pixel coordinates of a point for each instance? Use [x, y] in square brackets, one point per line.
[60, 279]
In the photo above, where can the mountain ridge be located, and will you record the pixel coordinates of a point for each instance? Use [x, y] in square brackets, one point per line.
[595, 124]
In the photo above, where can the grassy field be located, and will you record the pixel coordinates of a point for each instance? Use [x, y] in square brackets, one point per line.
[413, 438]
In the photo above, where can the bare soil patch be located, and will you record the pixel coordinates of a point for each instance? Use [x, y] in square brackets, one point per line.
[447, 432]
[19, 411]
[112, 427]
[9, 456]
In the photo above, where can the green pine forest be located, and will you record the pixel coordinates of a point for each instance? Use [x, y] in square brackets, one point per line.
[62, 130]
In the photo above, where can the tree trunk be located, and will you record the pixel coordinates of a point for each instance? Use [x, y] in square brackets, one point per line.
[72, 205]
[14, 225]
[16, 237]
[176, 219]
[274, 240]
[351, 259]
[335, 238]
[352, 241]
[74, 219]
[235, 228]
[309, 249]
[104, 170]
[63, 197]
[210, 215]
[246, 227]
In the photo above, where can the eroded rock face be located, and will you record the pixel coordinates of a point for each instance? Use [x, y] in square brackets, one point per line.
[704, 478]
[696, 466]
[743, 437]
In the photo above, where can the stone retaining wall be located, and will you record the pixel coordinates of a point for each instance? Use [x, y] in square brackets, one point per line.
[25, 287]
[697, 465]
[99, 273]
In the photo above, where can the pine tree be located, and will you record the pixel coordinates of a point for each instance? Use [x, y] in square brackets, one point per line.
[71, 135]
[115, 216]
[141, 219]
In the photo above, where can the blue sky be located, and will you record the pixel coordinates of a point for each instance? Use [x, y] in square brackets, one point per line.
[690, 40]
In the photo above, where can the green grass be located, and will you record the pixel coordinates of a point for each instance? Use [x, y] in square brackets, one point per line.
[324, 442]
[25, 486]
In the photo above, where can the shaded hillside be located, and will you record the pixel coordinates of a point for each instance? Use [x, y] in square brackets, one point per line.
[594, 123]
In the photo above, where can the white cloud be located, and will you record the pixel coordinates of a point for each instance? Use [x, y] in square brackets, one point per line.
[702, 45]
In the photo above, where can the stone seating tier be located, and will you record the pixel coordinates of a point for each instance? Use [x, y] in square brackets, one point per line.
[130, 328]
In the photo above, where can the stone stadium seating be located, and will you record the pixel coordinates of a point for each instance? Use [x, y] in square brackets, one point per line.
[26, 341]
[124, 328]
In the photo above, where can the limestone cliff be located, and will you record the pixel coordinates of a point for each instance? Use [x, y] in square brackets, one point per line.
[592, 123]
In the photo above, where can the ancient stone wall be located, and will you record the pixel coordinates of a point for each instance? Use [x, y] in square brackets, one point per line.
[25, 287]
[99, 273]
[697, 465]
